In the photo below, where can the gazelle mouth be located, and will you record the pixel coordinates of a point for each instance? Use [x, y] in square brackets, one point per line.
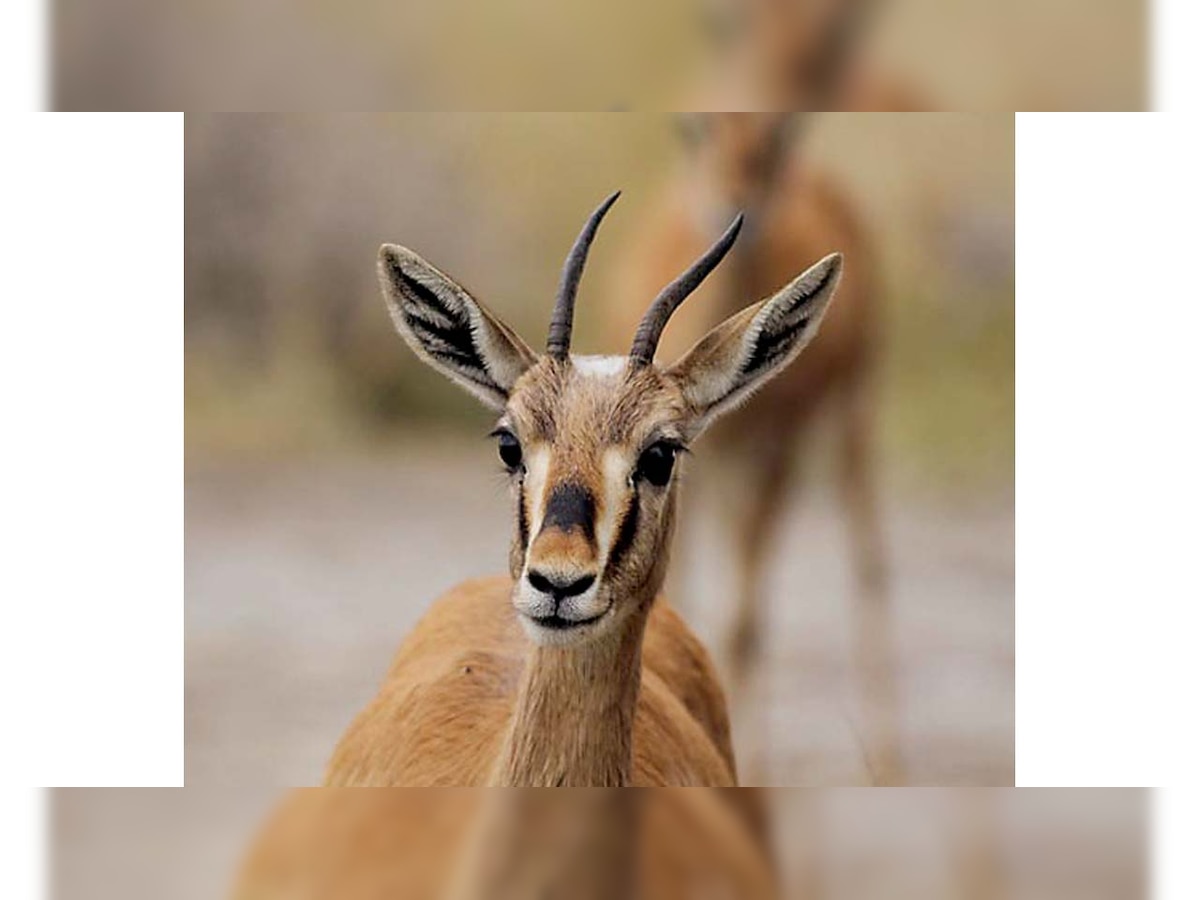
[558, 623]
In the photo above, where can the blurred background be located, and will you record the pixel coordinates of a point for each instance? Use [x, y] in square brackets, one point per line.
[335, 485]
[848, 844]
[543, 55]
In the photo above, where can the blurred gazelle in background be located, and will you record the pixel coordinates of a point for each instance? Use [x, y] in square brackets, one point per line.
[852, 55]
[747, 162]
[799, 55]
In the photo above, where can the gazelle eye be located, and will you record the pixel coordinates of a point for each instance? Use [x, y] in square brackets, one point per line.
[510, 449]
[656, 462]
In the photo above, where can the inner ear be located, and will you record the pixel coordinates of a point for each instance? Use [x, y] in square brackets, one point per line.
[746, 350]
[449, 329]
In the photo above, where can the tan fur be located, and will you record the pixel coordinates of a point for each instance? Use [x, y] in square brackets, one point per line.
[386, 844]
[796, 213]
[440, 716]
[449, 705]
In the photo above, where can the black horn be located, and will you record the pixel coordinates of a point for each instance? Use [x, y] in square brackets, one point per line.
[645, 342]
[558, 343]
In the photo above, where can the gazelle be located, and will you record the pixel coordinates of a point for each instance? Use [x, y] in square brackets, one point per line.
[799, 55]
[567, 672]
[746, 161]
[585, 844]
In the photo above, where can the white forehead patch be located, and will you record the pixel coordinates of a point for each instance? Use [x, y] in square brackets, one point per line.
[600, 366]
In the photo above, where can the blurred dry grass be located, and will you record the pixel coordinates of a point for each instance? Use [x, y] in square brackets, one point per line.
[542, 55]
[289, 348]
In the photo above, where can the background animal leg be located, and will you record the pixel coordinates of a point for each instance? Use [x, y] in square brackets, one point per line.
[873, 639]
[762, 494]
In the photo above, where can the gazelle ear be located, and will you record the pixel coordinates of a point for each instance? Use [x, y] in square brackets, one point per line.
[449, 329]
[747, 349]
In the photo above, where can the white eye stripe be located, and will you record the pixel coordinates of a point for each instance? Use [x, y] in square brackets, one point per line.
[537, 470]
[615, 470]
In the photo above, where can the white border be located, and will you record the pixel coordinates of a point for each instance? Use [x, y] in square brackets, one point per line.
[1175, 64]
[91, 460]
[1108, 449]
[1108, 465]
[23, 828]
[24, 31]
[1175, 827]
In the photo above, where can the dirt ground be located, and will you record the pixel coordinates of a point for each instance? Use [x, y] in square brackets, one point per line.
[302, 578]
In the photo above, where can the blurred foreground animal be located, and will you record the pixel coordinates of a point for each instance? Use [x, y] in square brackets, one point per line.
[568, 673]
[471, 844]
[798, 55]
[746, 161]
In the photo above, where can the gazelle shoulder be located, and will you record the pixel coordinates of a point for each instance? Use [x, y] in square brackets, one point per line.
[474, 617]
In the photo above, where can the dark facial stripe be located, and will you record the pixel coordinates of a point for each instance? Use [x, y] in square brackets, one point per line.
[522, 520]
[571, 506]
[625, 535]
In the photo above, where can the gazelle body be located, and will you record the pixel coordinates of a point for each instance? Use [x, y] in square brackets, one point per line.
[567, 672]
[745, 161]
[391, 843]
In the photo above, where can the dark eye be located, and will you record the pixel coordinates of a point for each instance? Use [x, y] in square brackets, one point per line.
[656, 462]
[510, 450]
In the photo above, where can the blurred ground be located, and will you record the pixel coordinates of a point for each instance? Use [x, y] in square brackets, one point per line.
[151, 844]
[875, 844]
[302, 578]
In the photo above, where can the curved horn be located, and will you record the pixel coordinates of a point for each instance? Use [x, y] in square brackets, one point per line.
[650, 330]
[558, 343]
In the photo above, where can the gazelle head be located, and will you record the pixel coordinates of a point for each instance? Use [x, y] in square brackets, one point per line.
[810, 44]
[738, 158]
[591, 442]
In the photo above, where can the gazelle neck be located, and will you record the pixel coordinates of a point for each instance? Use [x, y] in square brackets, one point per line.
[572, 725]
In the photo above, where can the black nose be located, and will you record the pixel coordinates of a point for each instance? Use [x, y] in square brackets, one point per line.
[557, 588]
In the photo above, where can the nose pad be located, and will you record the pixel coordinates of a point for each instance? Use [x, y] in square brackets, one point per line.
[558, 587]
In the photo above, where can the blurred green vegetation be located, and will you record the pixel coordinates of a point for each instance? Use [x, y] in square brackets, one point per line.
[949, 410]
[289, 348]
